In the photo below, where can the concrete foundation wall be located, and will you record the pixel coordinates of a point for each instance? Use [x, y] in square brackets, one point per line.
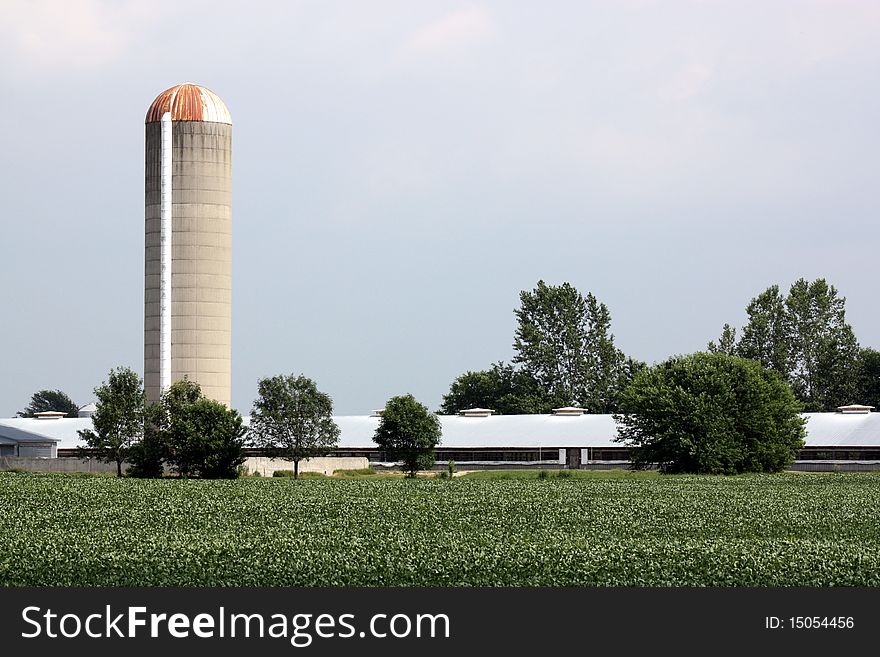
[834, 466]
[201, 252]
[56, 465]
[325, 465]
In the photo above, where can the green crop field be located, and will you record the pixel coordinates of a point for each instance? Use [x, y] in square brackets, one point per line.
[603, 530]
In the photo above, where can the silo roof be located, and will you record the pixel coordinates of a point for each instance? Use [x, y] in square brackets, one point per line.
[189, 102]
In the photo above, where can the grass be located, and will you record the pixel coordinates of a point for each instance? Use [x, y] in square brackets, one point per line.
[368, 473]
[288, 474]
[602, 528]
[591, 475]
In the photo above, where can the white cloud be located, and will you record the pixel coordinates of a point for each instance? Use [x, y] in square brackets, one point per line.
[687, 82]
[43, 37]
[460, 28]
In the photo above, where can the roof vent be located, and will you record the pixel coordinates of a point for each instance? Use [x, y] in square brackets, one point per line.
[854, 409]
[569, 410]
[49, 415]
[476, 412]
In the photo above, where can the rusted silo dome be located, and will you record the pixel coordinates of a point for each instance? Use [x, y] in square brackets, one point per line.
[189, 102]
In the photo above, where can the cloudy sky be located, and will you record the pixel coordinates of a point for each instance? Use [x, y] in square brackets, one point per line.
[403, 170]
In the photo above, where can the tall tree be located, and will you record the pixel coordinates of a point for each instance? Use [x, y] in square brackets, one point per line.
[869, 378]
[604, 363]
[563, 341]
[726, 343]
[824, 350]
[118, 419]
[550, 338]
[408, 432]
[292, 419]
[50, 400]
[804, 337]
[503, 388]
[766, 336]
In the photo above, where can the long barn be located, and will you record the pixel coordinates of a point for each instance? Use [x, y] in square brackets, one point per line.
[477, 438]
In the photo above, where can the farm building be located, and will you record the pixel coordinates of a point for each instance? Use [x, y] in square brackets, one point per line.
[567, 438]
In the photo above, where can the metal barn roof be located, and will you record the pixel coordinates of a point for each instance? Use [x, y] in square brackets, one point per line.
[31, 430]
[843, 429]
[527, 431]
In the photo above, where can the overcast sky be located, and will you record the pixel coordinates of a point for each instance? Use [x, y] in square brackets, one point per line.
[402, 170]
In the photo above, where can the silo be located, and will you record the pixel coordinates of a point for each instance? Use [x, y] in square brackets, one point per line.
[188, 258]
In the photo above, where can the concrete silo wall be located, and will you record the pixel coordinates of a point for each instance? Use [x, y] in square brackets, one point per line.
[201, 251]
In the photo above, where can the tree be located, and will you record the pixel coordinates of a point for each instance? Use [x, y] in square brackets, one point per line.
[711, 413]
[563, 341]
[201, 437]
[766, 337]
[605, 374]
[408, 432]
[292, 419]
[869, 378]
[50, 400]
[147, 458]
[726, 343]
[209, 439]
[118, 419]
[168, 423]
[550, 338]
[824, 351]
[503, 388]
[804, 337]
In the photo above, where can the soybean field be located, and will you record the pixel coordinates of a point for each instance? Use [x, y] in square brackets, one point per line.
[762, 530]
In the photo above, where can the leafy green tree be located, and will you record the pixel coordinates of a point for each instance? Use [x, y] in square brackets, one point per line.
[179, 396]
[118, 419]
[292, 419]
[563, 340]
[209, 439]
[147, 458]
[50, 400]
[167, 423]
[408, 432]
[606, 372]
[804, 337]
[726, 343]
[766, 337]
[710, 413]
[869, 378]
[503, 388]
[200, 437]
[824, 351]
[550, 338]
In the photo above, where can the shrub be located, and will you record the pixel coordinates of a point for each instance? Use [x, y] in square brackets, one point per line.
[710, 413]
[363, 472]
